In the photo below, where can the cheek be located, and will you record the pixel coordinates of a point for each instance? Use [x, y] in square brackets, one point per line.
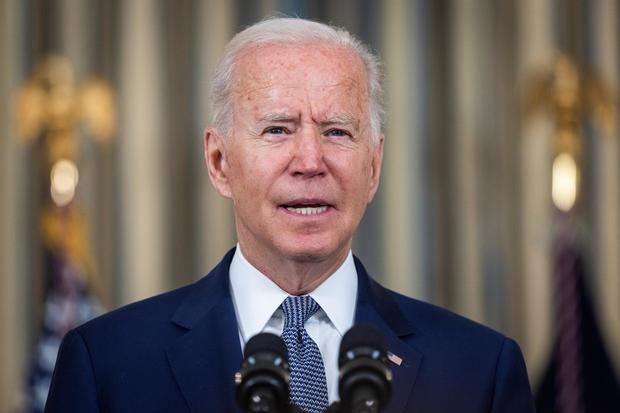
[364, 180]
[251, 175]
[354, 174]
[241, 174]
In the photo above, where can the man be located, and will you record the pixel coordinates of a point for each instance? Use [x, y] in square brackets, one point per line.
[296, 144]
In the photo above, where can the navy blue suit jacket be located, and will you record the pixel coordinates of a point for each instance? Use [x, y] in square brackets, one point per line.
[178, 352]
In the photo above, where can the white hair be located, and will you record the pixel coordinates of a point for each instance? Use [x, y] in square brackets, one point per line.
[292, 31]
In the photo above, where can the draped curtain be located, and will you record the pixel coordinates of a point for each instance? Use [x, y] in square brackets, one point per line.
[463, 217]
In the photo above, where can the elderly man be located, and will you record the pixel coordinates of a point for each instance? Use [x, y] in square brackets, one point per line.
[296, 144]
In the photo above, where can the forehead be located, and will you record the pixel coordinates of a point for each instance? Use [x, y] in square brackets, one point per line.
[285, 70]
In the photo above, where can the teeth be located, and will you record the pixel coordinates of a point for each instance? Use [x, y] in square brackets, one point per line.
[307, 210]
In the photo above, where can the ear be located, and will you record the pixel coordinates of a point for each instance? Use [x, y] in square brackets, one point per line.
[375, 167]
[216, 160]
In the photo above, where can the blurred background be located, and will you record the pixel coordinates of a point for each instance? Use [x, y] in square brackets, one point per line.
[500, 194]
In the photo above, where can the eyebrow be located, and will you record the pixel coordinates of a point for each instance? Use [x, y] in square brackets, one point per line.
[338, 120]
[278, 117]
[343, 119]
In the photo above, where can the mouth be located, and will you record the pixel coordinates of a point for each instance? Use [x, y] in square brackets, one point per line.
[307, 207]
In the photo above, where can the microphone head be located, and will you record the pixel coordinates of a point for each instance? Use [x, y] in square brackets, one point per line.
[266, 342]
[262, 382]
[361, 341]
[365, 380]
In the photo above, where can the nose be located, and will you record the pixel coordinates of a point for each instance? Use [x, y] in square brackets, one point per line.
[308, 154]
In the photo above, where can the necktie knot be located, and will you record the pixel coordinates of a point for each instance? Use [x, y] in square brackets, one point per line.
[298, 309]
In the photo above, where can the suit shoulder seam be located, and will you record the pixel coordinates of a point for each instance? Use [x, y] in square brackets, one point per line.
[495, 372]
[92, 367]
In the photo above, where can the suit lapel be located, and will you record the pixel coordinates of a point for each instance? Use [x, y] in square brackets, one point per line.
[205, 358]
[377, 308]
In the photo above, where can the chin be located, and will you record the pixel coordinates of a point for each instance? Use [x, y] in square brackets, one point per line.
[304, 251]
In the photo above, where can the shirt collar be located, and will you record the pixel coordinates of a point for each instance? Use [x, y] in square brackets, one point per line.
[337, 295]
[256, 298]
[247, 285]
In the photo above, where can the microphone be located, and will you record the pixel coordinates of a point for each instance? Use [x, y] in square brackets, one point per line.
[262, 382]
[365, 379]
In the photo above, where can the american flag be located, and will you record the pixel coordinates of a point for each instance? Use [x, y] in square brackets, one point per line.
[67, 305]
[580, 376]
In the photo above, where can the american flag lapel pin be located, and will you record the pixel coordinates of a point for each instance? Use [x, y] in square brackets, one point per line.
[394, 358]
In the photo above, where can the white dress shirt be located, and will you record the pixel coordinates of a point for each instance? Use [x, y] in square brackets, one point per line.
[257, 302]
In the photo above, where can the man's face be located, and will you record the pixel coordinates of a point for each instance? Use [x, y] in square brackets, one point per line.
[299, 163]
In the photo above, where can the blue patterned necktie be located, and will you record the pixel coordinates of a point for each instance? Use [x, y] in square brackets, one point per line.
[308, 384]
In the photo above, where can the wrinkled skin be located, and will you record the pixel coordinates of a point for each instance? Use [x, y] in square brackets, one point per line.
[300, 143]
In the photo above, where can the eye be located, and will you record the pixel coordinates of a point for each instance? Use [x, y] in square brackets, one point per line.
[337, 132]
[275, 130]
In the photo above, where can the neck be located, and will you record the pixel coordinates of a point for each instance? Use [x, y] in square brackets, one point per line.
[296, 276]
